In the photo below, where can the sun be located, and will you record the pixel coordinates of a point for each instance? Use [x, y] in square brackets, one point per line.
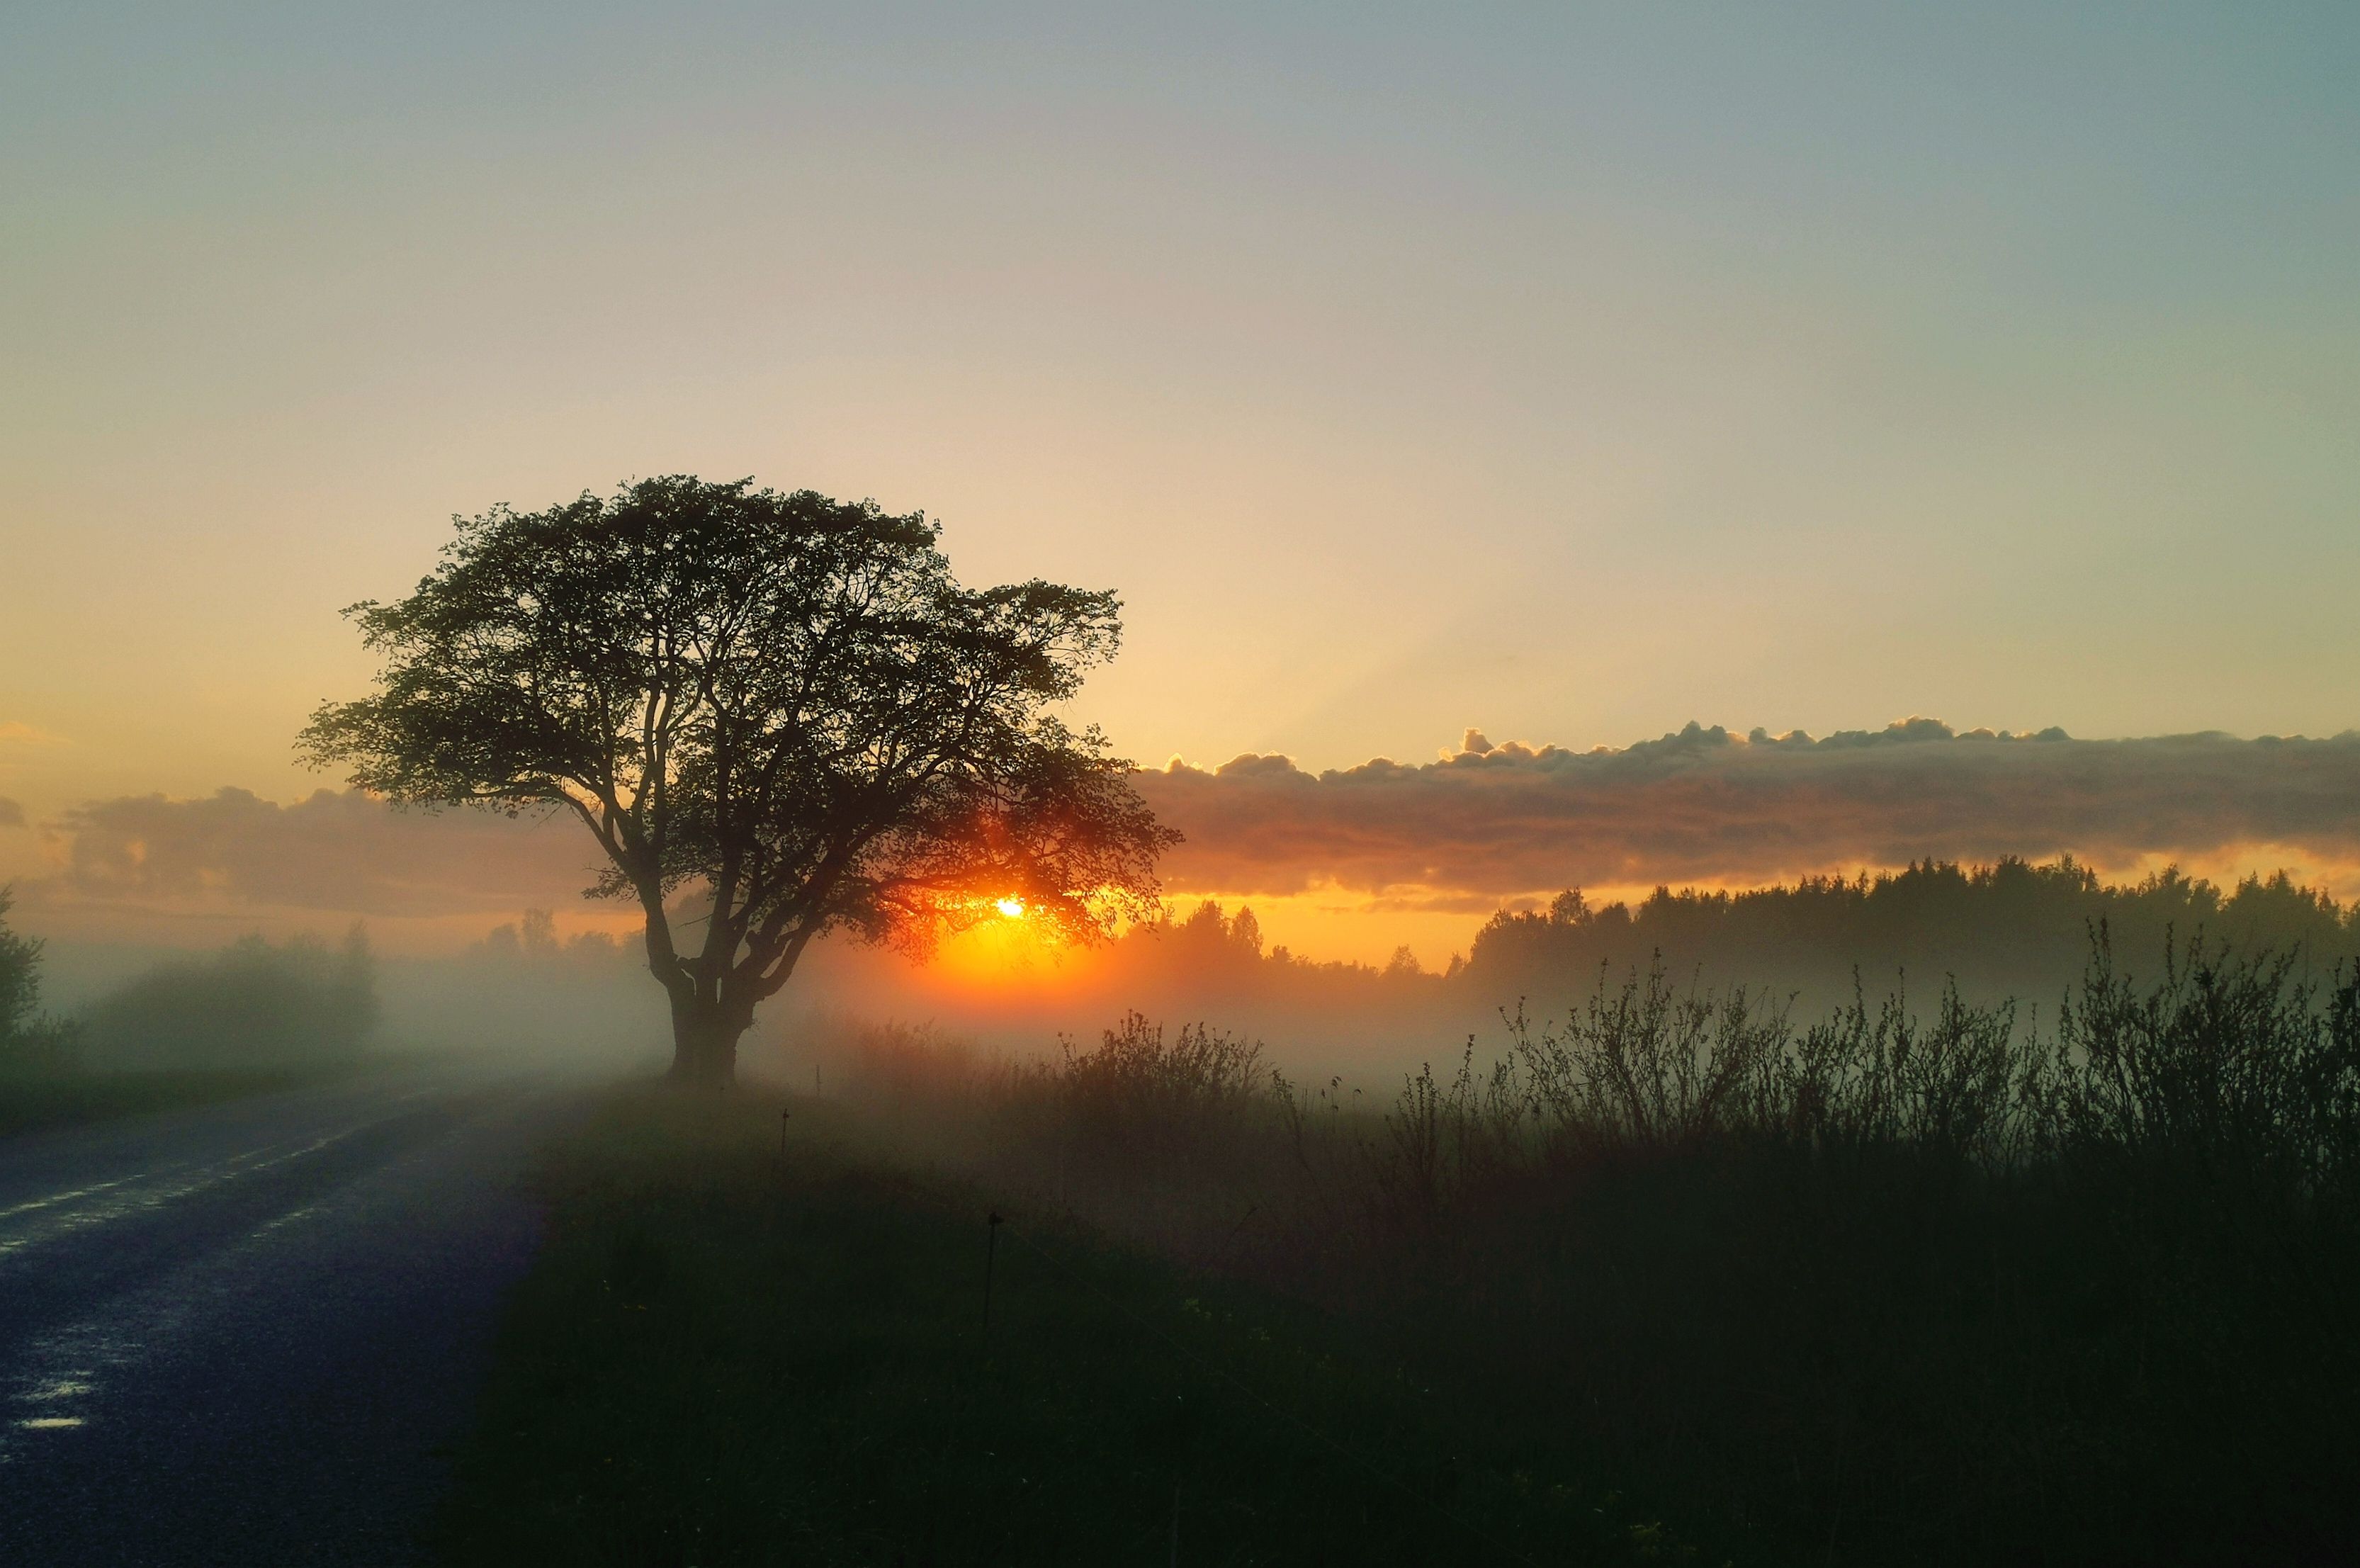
[1011, 907]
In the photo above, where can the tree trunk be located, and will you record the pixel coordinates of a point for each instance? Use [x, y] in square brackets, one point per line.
[705, 1044]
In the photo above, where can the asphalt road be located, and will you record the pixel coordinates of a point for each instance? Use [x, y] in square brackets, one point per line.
[246, 1333]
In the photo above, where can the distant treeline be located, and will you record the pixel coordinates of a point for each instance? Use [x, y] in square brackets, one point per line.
[523, 986]
[2012, 929]
[253, 1003]
[2009, 929]
[535, 943]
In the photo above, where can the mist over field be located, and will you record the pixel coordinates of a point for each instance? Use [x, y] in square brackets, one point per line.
[592, 1011]
[2007, 932]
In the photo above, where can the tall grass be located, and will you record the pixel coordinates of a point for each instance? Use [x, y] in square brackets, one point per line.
[1883, 1286]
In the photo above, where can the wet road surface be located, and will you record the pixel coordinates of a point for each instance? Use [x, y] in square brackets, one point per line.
[247, 1332]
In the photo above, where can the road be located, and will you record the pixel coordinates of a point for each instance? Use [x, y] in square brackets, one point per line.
[247, 1332]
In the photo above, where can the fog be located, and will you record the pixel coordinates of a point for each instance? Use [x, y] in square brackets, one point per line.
[532, 989]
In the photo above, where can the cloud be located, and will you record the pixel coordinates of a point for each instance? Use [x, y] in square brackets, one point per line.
[1483, 824]
[335, 850]
[11, 813]
[15, 732]
[1705, 804]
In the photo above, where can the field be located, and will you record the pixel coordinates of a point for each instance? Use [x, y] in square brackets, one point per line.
[1672, 1277]
[732, 1355]
[57, 1099]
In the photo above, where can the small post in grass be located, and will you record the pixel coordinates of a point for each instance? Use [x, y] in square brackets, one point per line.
[990, 1255]
[783, 1115]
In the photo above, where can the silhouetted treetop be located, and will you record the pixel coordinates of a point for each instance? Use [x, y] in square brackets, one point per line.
[783, 703]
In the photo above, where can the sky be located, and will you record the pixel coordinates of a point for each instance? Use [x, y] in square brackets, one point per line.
[1565, 373]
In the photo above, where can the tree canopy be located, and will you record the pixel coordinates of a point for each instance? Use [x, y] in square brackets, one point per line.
[779, 714]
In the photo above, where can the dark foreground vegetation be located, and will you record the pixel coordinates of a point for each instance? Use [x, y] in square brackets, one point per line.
[1880, 1289]
[50, 1100]
[1877, 1288]
[736, 1348]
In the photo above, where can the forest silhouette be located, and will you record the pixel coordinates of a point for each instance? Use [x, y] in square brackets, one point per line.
[2010, 930]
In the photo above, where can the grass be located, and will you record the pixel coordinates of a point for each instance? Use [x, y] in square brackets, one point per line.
[1880, 1289]
[61, 1099]
[728, 1356]
[1876, 1289]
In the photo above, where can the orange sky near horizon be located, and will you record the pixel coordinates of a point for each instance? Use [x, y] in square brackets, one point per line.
[1325, 924]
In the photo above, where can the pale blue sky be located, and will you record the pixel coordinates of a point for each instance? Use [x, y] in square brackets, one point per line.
[1568, 371]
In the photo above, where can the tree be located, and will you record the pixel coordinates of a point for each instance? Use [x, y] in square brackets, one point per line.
[1246, 932]
[28, 1041]
[779, 715]
[20, 975]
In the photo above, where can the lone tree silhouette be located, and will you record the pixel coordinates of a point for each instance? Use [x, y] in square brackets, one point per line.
[779, 714]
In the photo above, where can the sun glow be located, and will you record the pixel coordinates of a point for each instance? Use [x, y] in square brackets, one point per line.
[1002, 937]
